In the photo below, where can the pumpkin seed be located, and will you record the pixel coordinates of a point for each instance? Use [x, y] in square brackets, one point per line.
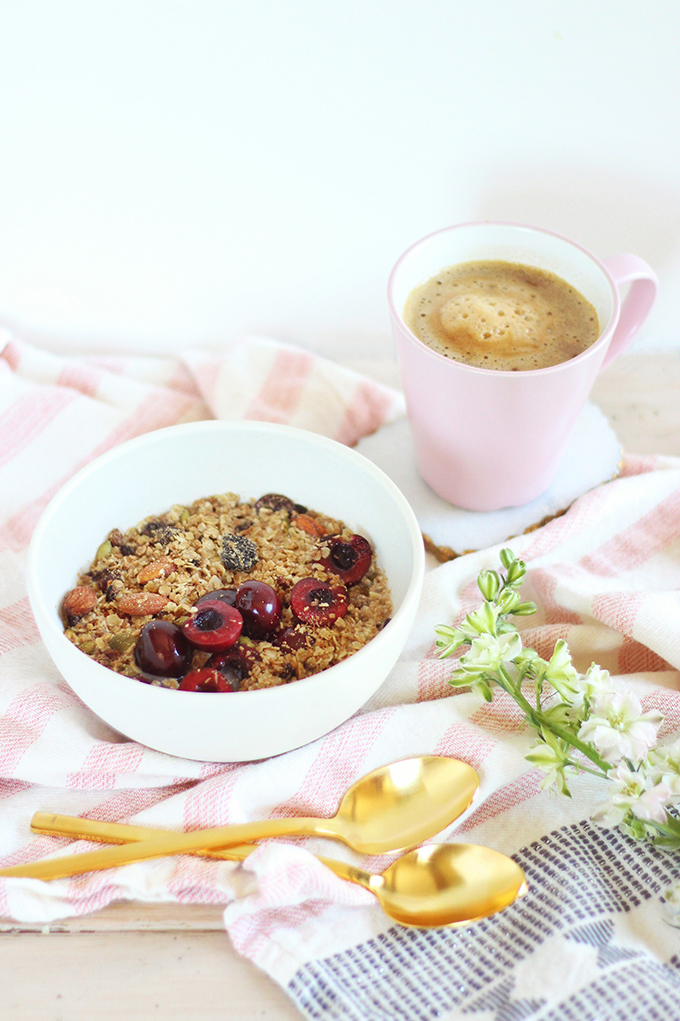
[104, 550]
[122, 640]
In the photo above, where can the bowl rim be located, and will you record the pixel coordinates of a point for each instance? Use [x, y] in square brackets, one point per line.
[44, 612]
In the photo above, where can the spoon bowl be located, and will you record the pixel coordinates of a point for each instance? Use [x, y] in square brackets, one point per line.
[446, 885]
[403, 804]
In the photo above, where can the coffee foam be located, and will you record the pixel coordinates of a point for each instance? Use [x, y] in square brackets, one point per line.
[502, 316]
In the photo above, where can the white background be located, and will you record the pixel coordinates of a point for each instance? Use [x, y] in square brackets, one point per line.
[175, 173]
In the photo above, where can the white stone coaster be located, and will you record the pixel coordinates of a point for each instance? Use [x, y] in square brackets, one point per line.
[593, 456]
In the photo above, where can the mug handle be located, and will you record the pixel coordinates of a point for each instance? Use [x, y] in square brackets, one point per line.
[629, 269]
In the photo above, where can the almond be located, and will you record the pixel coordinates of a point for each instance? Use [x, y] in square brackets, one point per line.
[140, 604]
[160, 568]
[308, 525]
[78, 602]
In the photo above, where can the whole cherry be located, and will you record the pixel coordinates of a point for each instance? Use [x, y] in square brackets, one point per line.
[226, 595]
[162, 649]
[260, 606]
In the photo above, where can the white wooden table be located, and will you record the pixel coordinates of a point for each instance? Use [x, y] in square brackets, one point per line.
[176, 962]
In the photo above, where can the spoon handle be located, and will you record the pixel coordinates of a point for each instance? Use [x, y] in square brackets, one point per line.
[165, 843]
[77, 828]
[124, 833]
[441, 884]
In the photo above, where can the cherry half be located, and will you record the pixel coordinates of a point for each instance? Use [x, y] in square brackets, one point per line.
[214, 627]
[318, 602]
[260, 606]
[234, 664]
[348, 558]
[205, 679]
[162, 649]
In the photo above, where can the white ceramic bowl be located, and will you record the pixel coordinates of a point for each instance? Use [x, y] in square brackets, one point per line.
[178, 465]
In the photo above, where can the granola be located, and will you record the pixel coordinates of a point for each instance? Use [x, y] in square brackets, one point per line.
[161, 568]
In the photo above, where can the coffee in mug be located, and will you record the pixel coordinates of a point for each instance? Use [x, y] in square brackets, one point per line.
[485, 438]
[501, 315]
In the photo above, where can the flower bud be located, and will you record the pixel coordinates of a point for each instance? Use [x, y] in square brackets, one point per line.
[516, 571]
[525, 609]
[489, 584]
[508, 600]
[506, 557]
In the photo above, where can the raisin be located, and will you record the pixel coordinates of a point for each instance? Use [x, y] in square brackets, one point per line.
[105, 580]
[275, 502]
[116, 538]
[160, 532]
[239, 553]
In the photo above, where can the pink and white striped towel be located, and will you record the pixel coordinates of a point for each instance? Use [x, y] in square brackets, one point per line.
[606, 577]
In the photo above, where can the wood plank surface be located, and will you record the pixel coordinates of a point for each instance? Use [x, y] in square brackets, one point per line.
[640, 395]
[175, 975]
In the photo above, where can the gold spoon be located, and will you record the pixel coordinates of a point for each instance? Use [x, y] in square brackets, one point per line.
[391, 809]
[434, 886]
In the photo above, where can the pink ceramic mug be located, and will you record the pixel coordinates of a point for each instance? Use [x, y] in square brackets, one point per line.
[486, 439]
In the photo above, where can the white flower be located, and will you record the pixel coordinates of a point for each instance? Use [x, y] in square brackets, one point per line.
[618, 729]
[487, 652]
[634, 792]
[596, 682]
[671, 898]
[560, 672]
[590, 685]
[651, 806]
[664, 761]
[552, 757]
[560, 665]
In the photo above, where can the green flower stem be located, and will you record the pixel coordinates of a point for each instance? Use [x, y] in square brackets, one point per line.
[585, 769]
[584, 749]
[539, 722]
[670, 829]
[501, 600]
